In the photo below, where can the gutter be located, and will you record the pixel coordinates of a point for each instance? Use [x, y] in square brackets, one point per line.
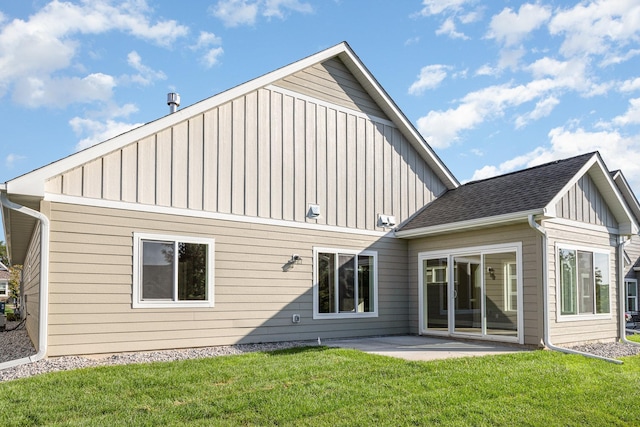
[44, 281]
[545, 301]
[468, 224]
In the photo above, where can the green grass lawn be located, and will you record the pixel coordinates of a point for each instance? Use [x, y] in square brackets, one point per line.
[329, 387]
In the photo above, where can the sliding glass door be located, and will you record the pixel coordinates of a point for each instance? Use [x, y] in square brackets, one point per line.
[482, 286]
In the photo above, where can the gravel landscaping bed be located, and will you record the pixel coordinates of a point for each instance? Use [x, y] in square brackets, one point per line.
[16, 344]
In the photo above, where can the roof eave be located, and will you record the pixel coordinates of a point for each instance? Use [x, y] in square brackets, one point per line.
[496, 220]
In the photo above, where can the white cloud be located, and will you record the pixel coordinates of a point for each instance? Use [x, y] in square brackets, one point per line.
[146, 75]
[278, 8]
[59, 92]
[430, 78]
[97, 130]
[435, 7]
[443, 128]
[597, 27]
[11, 159]
[211, 54]
[543, 109]
[32, 50]
[630, 85]
[448, 28]
[631, 116]
[487, 70]
[210, 58]
[234, 13]
[510, 28]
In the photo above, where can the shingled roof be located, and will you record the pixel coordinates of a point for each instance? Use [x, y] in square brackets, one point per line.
[520, 191]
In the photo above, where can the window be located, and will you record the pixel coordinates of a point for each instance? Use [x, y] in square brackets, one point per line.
[511, 286]
[172, 271]
[345, 283]
[584, 281]
[4, 289]
[632, 294]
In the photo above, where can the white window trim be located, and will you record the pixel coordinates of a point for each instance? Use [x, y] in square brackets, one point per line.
[626, 292]
[580, 317]
[450, 254]
[349, 315]
[508, 291]
[4, 290]
[137, 272]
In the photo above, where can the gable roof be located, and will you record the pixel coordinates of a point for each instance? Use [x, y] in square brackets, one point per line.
[514, 196]
[627, 193]
[33, 183]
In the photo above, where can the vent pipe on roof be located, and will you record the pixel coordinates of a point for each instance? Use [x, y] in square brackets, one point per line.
[173, 101]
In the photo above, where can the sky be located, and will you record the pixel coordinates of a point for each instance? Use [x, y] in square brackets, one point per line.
[493, 87]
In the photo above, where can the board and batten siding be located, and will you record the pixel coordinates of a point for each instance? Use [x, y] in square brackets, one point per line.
[332, 81]
[268, 154]
[90, 302]
[531, 269]
[584, 203]
[580, 330]
[31, 286]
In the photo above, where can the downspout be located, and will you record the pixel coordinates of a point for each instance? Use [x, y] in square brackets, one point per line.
[44, 281]
[621, 292]
[546, 336]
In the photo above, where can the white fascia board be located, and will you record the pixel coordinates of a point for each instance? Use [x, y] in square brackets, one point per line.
[468, 225]
[33, 183]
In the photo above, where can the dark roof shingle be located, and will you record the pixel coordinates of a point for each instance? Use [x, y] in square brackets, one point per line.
[519, 191]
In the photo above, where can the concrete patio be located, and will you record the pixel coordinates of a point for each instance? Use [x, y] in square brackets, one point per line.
[411, 347]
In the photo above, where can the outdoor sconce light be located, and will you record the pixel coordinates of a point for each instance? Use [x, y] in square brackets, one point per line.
[491, 272]
[313, 212]
[386, 220]
[295, 259]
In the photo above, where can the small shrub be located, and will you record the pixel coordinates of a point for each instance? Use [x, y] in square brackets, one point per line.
[12, 317]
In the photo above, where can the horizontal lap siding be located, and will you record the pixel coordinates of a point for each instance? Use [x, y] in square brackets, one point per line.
[269, 155]
[531, 274]
[567, 332]
[91, 284]
[31, 286]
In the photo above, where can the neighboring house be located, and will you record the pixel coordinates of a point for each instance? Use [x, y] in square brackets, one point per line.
[631, 247]
[5, 275]
[269, 212]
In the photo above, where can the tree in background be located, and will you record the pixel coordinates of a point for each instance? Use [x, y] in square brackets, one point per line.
[14, 271]
[3, 254]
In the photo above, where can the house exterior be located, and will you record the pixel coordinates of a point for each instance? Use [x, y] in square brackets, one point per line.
[304, 204]
[5, 276]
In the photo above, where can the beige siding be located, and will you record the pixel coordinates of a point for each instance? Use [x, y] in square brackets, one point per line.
[568, 332]
[331, 81]
[267, 155]
[584, 203]
[531, 274]
[91, 284]
[31, 286]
